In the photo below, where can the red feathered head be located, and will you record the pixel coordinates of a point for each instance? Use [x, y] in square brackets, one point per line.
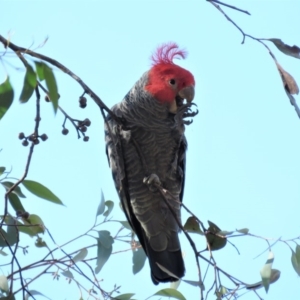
[167, 82]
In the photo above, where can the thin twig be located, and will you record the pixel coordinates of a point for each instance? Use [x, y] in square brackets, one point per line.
[64, 69]
[230, 6]
[165, 192]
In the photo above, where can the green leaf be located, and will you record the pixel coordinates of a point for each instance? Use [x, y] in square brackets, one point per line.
[15, 202]
[296, 259]
[3, 238]
[39, 243]
[68, 274]
[3, 253]
[194, 283]
[17, 190]
[45, 72]
[104, 250]
[81, 255]
[221, 292]
[11, 235]
[9, 297]
[298, 254]
[110, 206]
[275, 274]
[170, 293]
[192, 225]
[266, 272]
[33, 293]
[2, 170]
[126, 224]
[35, 223]
[52, 87]
[127, 296]
[39, 65]
[25, 229]
[225, 232]
[101, 205]
[29, 84]
[213, 237]
[243, 230]
[6, 96]
[12, 231]
[41, 191]
[138, 259]
[4, 284]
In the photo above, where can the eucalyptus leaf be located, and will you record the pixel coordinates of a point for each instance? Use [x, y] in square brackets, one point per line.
[10, 236]
[295, 263]
[45, 73]
[17, 190]
[15, 202]
[4, 284]
[104, 249]
[126, 224]
[35, 223]
[3, 253]
[243, 230]
[40, 243]
[52, 87]
[171, 293]
[127, 296]
[2, 170]
[138, 259]
[191, 225]
[214, 239]
[68, 274]
[12, 231]
[110, 206]
[101, 206]
[34, 293]
[81, 255]
[41, 191]
[6, 96]
[266, 272]
[29, 84]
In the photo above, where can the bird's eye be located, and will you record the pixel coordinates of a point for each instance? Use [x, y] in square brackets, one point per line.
[172, 81]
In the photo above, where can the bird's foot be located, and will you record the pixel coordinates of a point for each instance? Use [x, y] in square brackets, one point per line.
[152, 181]
[185, 111]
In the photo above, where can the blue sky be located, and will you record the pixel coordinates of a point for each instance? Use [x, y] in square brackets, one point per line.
[243, 157]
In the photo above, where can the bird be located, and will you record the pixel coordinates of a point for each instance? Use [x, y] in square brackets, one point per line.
[146, 149]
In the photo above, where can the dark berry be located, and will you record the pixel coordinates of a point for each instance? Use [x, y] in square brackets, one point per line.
[86, 138]
[47, 98]
[25, 143]
[83, 128]
[65, 131]
[44, 137]
[21, 135]
[82, 102]
[31, 138]
[87, 122]
[25, 215]
[36, 141]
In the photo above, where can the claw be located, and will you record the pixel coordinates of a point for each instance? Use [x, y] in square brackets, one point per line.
[189, 122]
[152, 181]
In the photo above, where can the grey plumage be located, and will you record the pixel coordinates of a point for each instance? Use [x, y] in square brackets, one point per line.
[153, 142]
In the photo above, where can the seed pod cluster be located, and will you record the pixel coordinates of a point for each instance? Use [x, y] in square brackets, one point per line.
[32, 138]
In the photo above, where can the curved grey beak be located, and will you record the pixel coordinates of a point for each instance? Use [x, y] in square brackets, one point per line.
[187, 93]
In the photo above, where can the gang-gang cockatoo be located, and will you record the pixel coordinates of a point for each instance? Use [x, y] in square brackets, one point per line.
[146, 153]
